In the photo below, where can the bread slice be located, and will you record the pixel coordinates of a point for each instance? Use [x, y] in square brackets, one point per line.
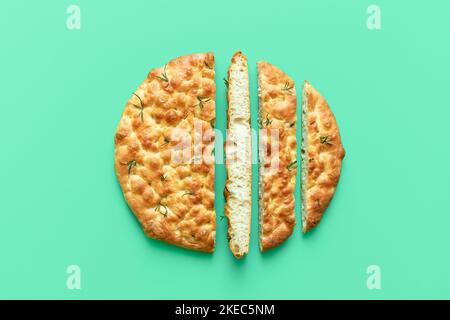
[322, 154]
[173, 200]
[278, 155]
[238, 190]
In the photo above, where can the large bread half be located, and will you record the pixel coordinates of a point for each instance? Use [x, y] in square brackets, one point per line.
[172, 198]
[322, 154]
[238, 190]
[278, 161]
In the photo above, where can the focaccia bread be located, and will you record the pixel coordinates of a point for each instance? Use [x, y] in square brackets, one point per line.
[278, 159]
[238, 190]
[172, 197]
[322, 154]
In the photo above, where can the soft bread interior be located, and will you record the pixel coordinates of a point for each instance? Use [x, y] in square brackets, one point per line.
[260, 166]
[304, 156]
[239, 170]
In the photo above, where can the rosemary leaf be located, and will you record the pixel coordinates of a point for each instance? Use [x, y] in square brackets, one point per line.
[292, 165]
[188, 193]
[166, 141]
[131, 165]
[162, 209]
[287, 87]
[226, 189]
[267, 121]
[140, 107]
[202, 101]
[163, 76]
[207, 65]
[325, 140]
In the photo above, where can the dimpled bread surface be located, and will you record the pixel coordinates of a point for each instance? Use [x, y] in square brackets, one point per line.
[277, 113]
[172, 199]
[322, 155]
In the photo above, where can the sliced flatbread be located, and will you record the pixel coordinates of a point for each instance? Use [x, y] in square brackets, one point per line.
[278, 159]
[172, 197]
[238, 190]
[322, 154]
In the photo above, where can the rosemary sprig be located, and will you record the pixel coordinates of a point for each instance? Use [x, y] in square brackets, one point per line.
[163, 177]
[163, 76]
[140, 107]
[292, 165]
[267, 121]
[202, 101]
[132, 164]
[166, 141]
[292, 124]
[207, 65]
[227, 84]
[325, 140]
[188, 193]
[287, 87]
[161, 208]
[226, 189]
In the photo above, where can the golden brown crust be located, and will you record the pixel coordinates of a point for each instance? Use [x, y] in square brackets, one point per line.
[238, 58]
[324, 154]
[278, 104]
[173, 201]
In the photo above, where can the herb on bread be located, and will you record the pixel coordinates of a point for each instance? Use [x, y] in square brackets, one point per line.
[292, 166]
[267, 121]
[325, 140]
[163, 76]
[132, 164]
[202, 101]
[166, 141]
[161, 208]
[287, 87]
[140, 107]
[207, 65]
[226, 189]
[189, 193]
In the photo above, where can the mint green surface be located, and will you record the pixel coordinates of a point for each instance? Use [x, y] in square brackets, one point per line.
[62, 93]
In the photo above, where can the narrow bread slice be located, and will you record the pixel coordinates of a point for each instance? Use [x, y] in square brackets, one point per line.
[171, 196]
[322, 154]
[238, 189]
[278, 162]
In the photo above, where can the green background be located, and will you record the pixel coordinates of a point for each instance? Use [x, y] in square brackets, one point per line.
[62, 93]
